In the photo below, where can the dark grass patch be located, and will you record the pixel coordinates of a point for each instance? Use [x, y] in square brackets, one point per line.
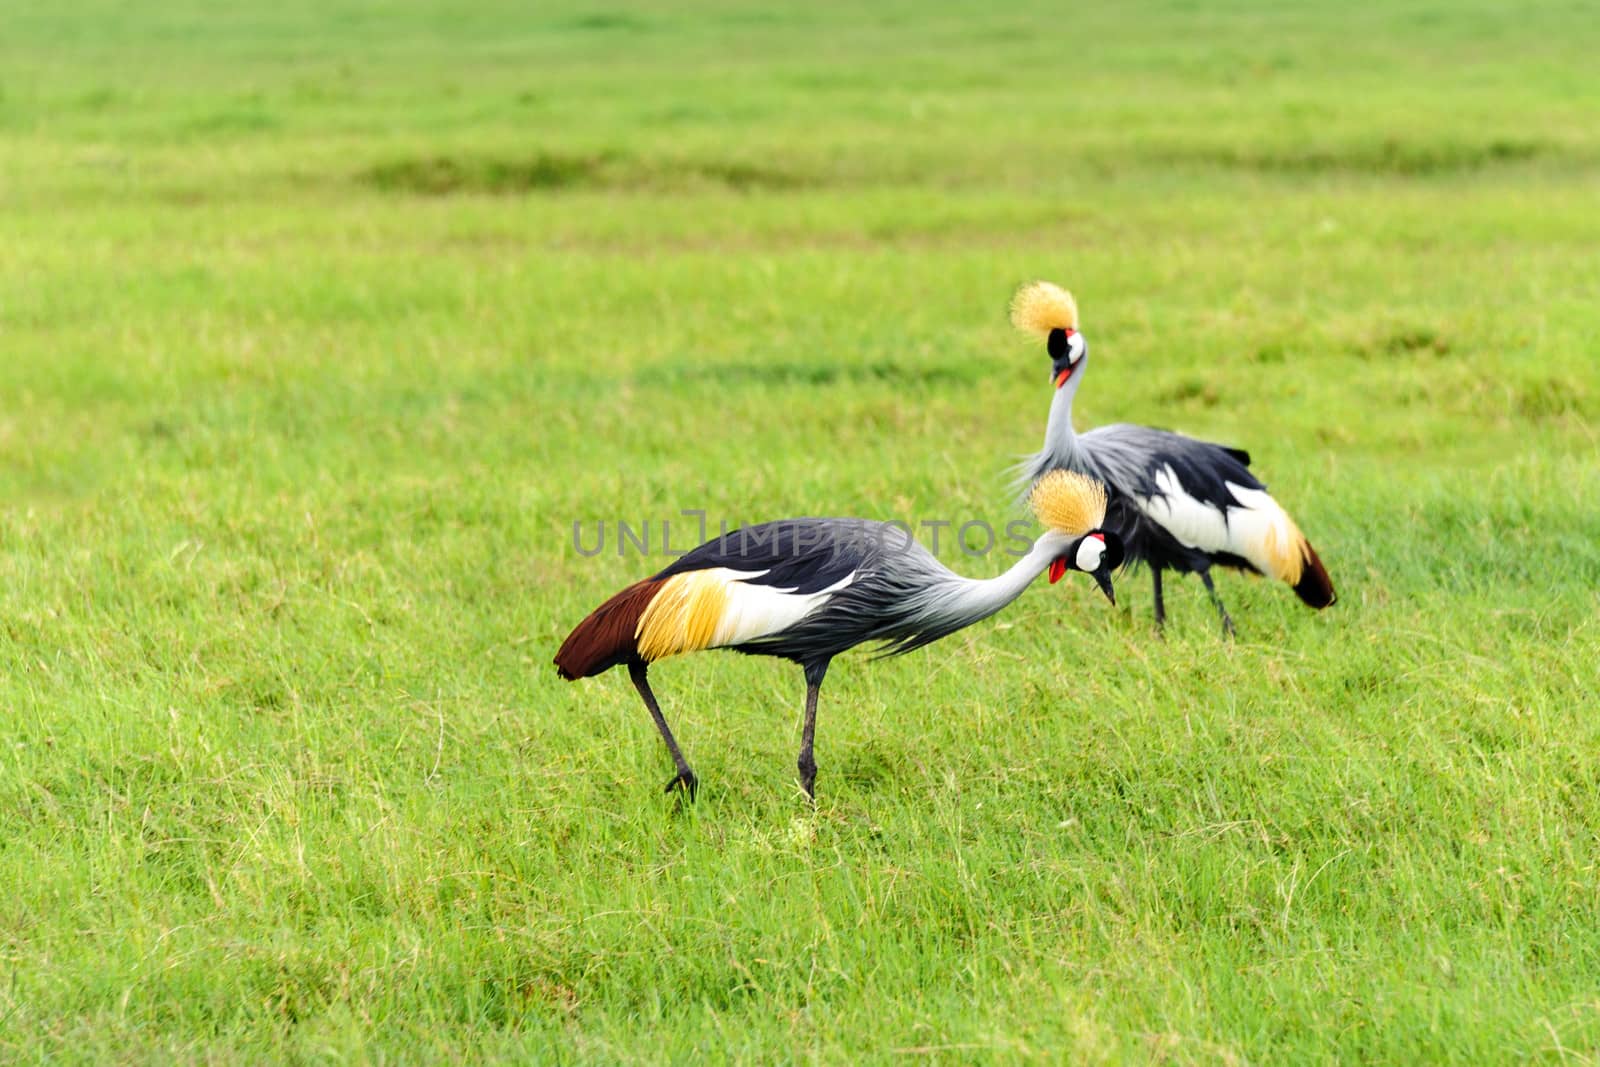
[1421, 339]
[1553, 397]
[1405, 339]
[1270, 353]
[746, 176]
[868, 767]
[606, 22]
[1388, 156]
[236, 120]
[1191, 390]
[102, 98]
[736, 375]
[444, 175]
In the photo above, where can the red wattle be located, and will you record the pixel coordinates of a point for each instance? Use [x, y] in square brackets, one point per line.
[1058, 567]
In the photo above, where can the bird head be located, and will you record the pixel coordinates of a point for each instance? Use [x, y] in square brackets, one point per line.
[1049, 312]
[1096, 553]
[1072, 507]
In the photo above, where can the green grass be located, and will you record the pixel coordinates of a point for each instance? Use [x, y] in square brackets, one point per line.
[322, 323]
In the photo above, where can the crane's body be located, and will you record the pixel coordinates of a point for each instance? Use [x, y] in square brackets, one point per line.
[1177, 503]
[808, 589]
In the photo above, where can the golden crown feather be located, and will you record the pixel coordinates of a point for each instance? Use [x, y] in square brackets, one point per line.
[1068, 501]
[1040, 307]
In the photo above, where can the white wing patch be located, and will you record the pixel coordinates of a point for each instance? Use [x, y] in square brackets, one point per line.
[1256, 528]
[754, 611]
[1191, 522]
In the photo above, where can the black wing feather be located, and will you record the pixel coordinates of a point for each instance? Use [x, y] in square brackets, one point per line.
[1127, 457]
[805, 555]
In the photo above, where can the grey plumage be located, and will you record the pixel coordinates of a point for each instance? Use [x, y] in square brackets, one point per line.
[898, 594]
[1126, 457]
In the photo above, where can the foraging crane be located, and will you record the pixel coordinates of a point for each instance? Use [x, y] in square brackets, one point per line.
[808, 589]
[1177, 503]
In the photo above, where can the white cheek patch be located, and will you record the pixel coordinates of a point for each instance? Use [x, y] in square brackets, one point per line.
[1091, 550]
[1076, 347]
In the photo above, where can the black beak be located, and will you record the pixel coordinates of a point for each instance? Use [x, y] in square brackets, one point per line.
[1102, 578]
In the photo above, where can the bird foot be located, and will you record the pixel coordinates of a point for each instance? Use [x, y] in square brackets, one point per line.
[686, 782]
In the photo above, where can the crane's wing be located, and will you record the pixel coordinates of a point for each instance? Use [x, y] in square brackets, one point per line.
[742, 587]
[839, 583]
[1133, 457]
[1205, 497]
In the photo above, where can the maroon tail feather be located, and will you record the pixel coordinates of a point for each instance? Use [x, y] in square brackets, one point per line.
[1314, 586]
[606, 637]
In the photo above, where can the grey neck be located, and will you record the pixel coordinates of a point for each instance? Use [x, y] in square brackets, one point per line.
[1060, 441]
[963, 601]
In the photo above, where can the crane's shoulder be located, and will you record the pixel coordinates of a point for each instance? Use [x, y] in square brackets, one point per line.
[1124, 451]
[1156, 439]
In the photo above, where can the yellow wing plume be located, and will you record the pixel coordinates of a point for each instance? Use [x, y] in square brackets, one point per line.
[683, 616]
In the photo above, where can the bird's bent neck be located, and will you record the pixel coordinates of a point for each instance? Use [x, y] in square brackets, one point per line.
[975, 599]
[1060, 442]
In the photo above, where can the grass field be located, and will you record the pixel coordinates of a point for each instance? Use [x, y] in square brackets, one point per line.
[321, 323]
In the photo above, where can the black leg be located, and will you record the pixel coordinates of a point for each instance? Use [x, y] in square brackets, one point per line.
[808, 733]
[1161, 605]
[685, 779]
[1227, 623]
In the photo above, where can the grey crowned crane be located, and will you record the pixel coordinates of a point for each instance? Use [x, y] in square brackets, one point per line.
[1178, 504]
[808, 589]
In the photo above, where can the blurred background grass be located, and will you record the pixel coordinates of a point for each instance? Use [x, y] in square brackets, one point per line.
[322, 324]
